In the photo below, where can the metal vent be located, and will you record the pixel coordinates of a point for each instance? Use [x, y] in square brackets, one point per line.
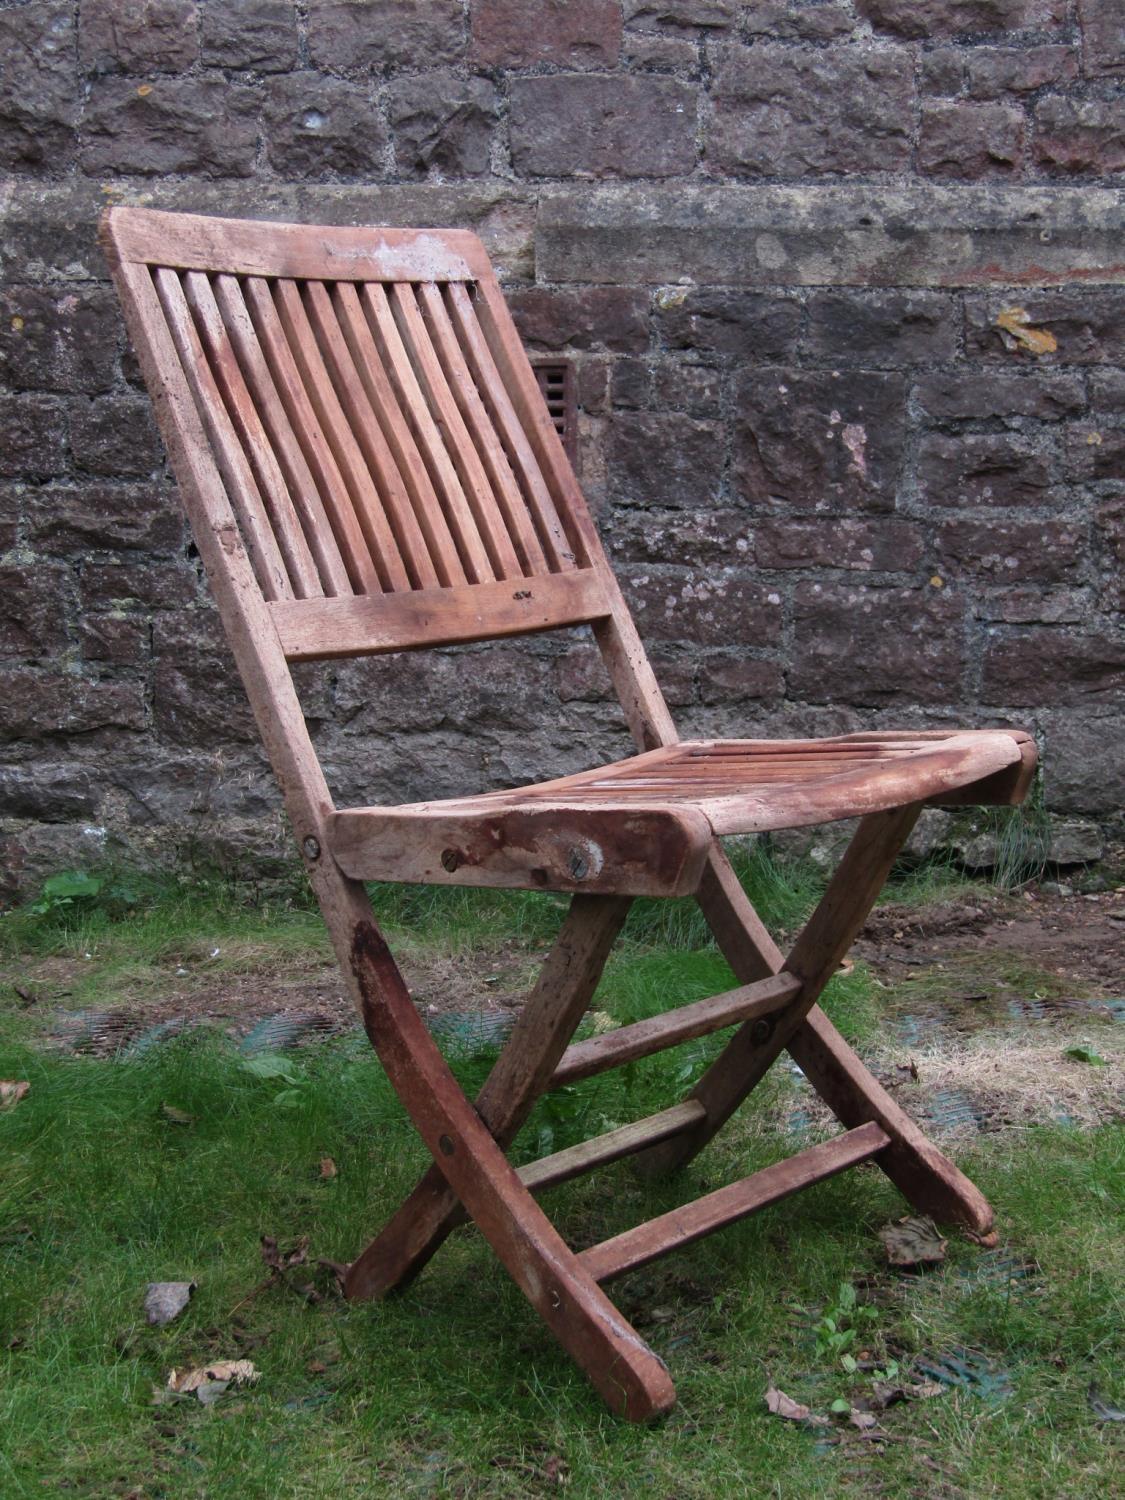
[556, 381]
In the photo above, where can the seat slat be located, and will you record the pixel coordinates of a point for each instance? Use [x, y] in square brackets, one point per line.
[557, 546]
[612, 1146]
[246, 500]
[363, 575]
[516, 520]
[614, 1049]
[458, 514]
[366, 501]
[659, 1236]
[431, 518]
[475, 484]
[226, 294]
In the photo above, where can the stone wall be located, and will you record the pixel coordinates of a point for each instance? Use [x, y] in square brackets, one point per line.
[801, 255]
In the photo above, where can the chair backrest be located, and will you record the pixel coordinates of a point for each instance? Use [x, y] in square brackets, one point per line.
[363, 399]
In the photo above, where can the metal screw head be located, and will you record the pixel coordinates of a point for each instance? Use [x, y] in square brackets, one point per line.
[760, 1031]
[578, 864]
[445, 1145]
[450, 859]
[311, 847]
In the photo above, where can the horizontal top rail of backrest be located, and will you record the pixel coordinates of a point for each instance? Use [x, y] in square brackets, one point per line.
[366, 405]
[245, 247]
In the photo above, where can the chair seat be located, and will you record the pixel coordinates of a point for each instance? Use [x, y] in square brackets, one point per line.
[642, 826]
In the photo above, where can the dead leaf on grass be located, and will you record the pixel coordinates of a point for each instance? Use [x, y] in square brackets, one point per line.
[176, 1116]
[328, 1168]
[890, 1393]
[284, 1260]
[165, 1300]
[1103, 1411]
[782, 1405]
[864, 1420]
[913, 1241]
[207, 1382]
[12, 1090]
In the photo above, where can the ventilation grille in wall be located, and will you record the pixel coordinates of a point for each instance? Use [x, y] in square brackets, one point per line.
[556, 381]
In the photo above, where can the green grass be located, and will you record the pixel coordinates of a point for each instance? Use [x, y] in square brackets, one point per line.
[454, 1388]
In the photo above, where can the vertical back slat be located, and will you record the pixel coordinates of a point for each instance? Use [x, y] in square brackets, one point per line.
[261, 542]
[365, 424]
[458, 513]
[366, 503]
[380, 393]
[447, 415]
[519, 381]
[226, 297]
[513, 509]
[363, 575]
[555, 543]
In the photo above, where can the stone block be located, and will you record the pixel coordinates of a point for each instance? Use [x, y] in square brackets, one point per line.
[1107, 392]
[565, 33]
[199, 125]
[33, 599]
[39, 96]
[814, 440]
[752, 326]
[1103, 38]
[631, 384]
[785, 21]
[664, 459]
[1083, 768]
[40, 703]
[1095, 452]
[591, 125]
[985, 468]
[96, 515]
[1010, 550]
[709, 15]
[792, 112]
[582, 318]
[1080, 135]
[142, 36]
[357, 36]
[884, 545]
[115, 436]
[696, 389]
[957, 396]
[742, 679]
[255, 34]
[316, 125]
[122, 640]
[1075, 841]
[919, 234]
[48, 791]
[32, 437]
[942, 70]
[444, 122]
[656, 52]
[1033, 606]
[995, 71]
[964, 140]
[920, 20]
[876, 645]
[1087, 325]
[133, 583]
[694, 538]
[719, 607]
[881, 330]
[1050, 666]
[1110, 534]
[53, 340]
[198, 700]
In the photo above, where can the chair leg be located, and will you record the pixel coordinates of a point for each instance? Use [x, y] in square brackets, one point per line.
[925, 1177]
[630, 1377]
[560, 998]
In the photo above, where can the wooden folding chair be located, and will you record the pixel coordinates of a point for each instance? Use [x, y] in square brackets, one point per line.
[369, 466]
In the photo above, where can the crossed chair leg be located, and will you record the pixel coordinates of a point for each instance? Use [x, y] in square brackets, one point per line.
[472, 1178]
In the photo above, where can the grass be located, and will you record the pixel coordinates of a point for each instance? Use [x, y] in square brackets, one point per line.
[454, 1388]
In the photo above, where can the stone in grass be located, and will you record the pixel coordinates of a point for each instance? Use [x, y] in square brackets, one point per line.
[913, 1241]
[165, 1300]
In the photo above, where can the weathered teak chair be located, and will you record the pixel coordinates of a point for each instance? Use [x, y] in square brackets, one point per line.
[369, 466]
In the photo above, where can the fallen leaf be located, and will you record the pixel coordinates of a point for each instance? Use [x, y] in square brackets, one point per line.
[12, 1091]
[890, 1393]
[1013, 322]
[176, 1116]
[862, 1419]
[784, 1406]
[165, 1300]
[208, 1382]
[1103, 1411]
[913, 1241]
[287, 1260]
[327, 1168]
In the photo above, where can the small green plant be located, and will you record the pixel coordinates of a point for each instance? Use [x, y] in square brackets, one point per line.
[65, 889]
[838, 1327]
